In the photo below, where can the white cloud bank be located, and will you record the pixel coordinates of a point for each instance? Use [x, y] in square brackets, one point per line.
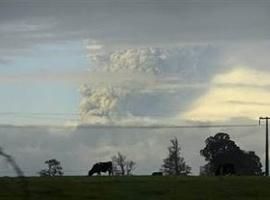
[240, 93]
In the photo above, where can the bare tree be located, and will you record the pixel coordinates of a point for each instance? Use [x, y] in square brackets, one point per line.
[54, 168]
[122, 166]
[174, 164]
[130, 167]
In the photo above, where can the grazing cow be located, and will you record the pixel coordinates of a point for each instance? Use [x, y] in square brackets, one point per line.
[157, 174]
[101, 167]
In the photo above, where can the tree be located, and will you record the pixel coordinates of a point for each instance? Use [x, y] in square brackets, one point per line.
[174, 164]
[221, 150]
[130, 167]
[122, 166]
[218, 144]
[54, 168]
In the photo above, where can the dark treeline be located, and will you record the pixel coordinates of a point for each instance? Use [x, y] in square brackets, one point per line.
[222, 155]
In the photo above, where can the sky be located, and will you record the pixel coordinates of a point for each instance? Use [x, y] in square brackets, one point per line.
[85, 79]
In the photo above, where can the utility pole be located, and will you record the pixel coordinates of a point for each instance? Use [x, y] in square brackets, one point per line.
[266, 145]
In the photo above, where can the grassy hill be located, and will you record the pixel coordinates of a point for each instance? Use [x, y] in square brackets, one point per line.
[137, 187]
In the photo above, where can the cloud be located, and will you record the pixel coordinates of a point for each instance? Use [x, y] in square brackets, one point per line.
[130, 23]
[184, 60]
[44, 76]
[227, 98]
[98, 105]
[248, 103]
[144, 60]
[131, 86]
[4, 62]
[243, 75]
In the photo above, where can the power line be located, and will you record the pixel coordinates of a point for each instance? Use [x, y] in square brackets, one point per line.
[75, 118]
[131, 127]
[171, 126]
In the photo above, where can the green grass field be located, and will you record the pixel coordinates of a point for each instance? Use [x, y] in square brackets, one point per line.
[137, 187]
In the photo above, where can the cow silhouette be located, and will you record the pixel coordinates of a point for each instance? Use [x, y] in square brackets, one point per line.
[157, 174]
[101, 167]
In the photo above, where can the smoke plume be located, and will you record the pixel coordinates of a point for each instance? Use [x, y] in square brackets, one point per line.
[98, 105]
[140, 73]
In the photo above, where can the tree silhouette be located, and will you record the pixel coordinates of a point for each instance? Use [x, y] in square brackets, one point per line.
[174, 164]
[54, 168]
[221, 150]
[122, 166]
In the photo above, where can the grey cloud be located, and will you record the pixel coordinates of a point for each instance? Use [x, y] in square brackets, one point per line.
[4, 61]
[136, 23]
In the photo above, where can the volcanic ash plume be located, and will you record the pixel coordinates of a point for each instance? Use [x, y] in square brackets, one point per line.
[100, 102]
[98, 105]
[146, 60]
[122, 78]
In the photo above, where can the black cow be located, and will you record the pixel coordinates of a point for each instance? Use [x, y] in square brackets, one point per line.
[101, 167]
[157, 174]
